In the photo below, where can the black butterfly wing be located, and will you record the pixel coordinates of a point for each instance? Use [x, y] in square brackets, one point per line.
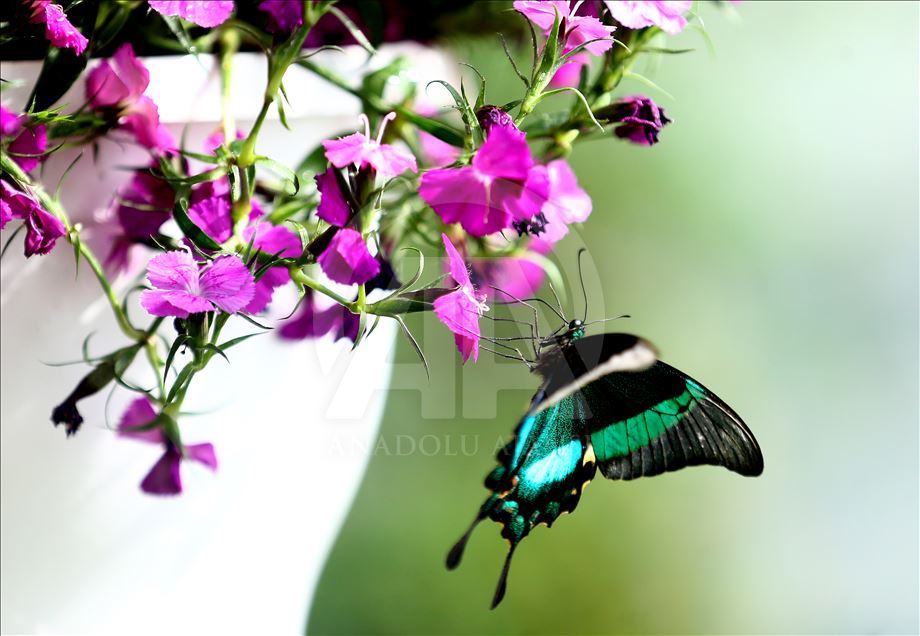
[607, 403]
[648, 421]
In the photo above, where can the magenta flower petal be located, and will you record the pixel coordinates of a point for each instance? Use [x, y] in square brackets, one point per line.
[164, 478]
[347, 260]
[43, 229]
[28, 146]
[181, 288]
[143, 121]
[523, 201]
[203, 454]
[358, 149]
[567, 202]
[227, 283]
[273, 278]
[118, 81]
[543, 12]
[139, 413]
[569, 73]
[274, 239]
[10, 122]
[206, 13]
[6, 211]
[666, 15]
[173, 271]
[312, 321]
[332, 206]
[460, 310]
[58, 29]
[456, 265]
[518, 276]
[173, 303]
[144, 205]
[210, 209]
[504, 155]
[283, 15]
[578, 29]
[436, 152]
[501, 185]
[346, 150]
[461, 315]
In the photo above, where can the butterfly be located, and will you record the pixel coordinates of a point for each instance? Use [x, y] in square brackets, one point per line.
[606, 402]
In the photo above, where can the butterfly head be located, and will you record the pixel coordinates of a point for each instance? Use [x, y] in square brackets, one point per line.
[576, 330]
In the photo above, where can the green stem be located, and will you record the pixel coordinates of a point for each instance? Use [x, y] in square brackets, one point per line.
[230, 44]
[300, 277]
[51, 204]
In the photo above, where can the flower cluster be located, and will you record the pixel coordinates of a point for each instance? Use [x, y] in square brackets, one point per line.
[210, 234]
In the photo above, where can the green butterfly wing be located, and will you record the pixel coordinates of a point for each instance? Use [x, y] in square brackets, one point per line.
[605, 403]
[649, 422]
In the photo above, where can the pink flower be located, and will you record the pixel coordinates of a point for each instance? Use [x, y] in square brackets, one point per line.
[118, 85]
[284, 16]
[359, 149]
[206, 13]
[567, 203]
[313, 321]
[575, 30]
[9, 122]
[516, 276]
[58, 29]
[500, 185]
[642, 119]
[333, 208]
[43, 229]
[274, 240]
[347, 260]
[182, 286]
[165, 477]
[635, 14]
[569, 74]
[29, 142]
[460, 309]
[436, 152]
[141, 208]
[29, 146]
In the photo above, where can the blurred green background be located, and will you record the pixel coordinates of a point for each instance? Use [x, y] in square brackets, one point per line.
[768, 246]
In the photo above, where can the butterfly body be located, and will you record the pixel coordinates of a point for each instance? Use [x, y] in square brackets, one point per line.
[605, 403]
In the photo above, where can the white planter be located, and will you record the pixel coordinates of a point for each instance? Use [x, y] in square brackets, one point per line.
[83, 550]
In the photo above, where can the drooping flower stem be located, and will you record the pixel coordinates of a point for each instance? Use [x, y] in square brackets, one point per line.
[51, 204]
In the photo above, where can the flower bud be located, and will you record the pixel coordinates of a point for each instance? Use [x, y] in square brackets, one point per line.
[641, 118]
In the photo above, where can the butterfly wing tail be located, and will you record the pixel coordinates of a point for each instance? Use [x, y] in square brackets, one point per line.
[503, 578]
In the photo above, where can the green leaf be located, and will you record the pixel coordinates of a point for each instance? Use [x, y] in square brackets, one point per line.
[581, 97]
[191, 231]
[481, 98]
[514, 65]
[235, 341]
[282, 171]
[414, 343]
[356, 33]
[173, 350]
[643, 79]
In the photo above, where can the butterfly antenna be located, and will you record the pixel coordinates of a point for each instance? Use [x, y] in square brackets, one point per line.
[456, 552]
[503, 579]
[594, 322]
[581, 278]
[558, 302]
